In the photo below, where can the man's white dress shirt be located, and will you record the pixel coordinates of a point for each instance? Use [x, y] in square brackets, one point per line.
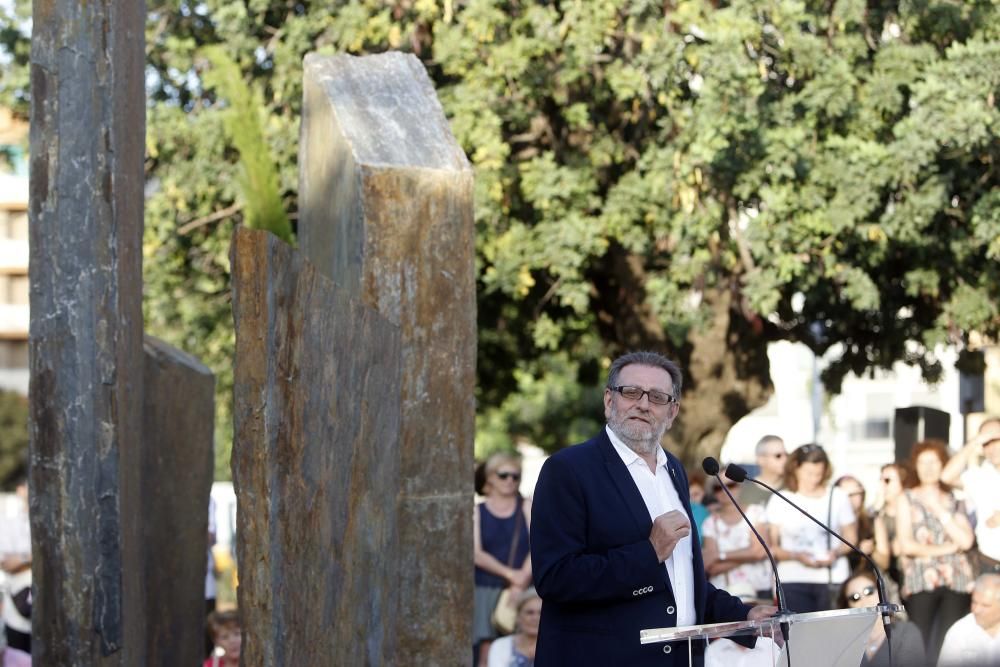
[967, 644]
[981, 484]
[660, 495]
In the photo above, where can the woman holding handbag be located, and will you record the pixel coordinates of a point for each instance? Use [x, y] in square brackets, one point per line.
[500, 532]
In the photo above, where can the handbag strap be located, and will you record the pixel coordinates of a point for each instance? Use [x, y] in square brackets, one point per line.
[829, 537]
[517, 533]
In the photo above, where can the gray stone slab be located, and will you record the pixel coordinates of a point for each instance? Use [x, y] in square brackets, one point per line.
[385, 209]
[176, 480]
[315, 463]
[86, 170]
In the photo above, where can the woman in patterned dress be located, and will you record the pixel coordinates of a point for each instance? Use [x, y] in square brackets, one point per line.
[934, 536]
[733, 556]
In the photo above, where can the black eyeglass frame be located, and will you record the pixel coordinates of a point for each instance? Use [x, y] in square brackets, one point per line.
[516, 476]
[652, 394]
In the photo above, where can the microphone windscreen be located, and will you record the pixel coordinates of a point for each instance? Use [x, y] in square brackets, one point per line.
[710, 466]
[735, 473]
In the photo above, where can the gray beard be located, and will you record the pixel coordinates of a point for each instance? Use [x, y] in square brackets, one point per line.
[635, 440]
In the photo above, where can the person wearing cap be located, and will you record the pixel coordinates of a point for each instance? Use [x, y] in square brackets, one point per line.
[976, 469]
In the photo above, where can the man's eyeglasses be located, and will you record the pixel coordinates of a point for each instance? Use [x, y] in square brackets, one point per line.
[516, 476]
[633, 393]
[863, 593]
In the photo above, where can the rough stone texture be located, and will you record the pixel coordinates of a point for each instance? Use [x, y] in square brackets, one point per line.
[178, 421]
[315, 464]
[385, 205]
[87, 130]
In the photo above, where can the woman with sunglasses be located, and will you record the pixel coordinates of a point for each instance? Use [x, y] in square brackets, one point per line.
[935, 536]
[733, 557]
[886, 554]
[500, 530]
[907, 643]
[810, 561]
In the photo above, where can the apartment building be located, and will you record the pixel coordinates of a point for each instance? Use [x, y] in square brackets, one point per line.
[13, 255]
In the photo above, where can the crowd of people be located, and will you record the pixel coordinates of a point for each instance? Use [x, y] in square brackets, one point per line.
[500, 533]
[933, 529]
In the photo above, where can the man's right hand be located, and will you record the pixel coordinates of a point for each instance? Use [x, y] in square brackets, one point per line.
[668, 529]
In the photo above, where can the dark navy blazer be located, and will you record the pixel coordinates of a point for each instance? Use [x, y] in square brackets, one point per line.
[596, 569]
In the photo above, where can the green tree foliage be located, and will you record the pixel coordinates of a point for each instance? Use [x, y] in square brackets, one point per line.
[648, 174]
[257, 177]
[13, 433]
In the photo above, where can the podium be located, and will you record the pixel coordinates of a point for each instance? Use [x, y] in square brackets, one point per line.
[835, 638]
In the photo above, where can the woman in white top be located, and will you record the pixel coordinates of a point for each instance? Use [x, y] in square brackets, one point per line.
[518, 649]
[810, 561]
[733, 556]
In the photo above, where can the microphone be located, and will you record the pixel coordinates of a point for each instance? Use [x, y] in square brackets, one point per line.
[711, 467]
[738, 474]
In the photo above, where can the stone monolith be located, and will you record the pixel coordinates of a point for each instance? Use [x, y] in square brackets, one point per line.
[386, 210]
[178, 424]
[315, 464]
[86, 169]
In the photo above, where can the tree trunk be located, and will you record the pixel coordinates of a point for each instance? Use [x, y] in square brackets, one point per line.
[727, 375]
[725, 365]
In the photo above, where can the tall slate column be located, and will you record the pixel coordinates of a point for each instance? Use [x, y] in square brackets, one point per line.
[385, 205]
[317, 414]
[87, 143]
[178, 424]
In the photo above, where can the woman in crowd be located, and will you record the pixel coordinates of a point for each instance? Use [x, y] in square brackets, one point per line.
[733, 556]
[855, 492]
[886, 554]
[907, 644]
[500, 531]
[810, 560]
[518, 649]
[934, 535]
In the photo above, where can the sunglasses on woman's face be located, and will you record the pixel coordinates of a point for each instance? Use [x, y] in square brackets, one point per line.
[863, 593]
[516, 476]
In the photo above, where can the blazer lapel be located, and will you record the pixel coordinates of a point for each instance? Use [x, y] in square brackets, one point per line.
[626, 485]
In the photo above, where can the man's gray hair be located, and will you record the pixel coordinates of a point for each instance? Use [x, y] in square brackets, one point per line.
[989, 421]
[762, 444]
[646, 358]
[989, 582]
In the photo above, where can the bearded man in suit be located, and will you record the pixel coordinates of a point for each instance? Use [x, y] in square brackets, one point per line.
[613, 550]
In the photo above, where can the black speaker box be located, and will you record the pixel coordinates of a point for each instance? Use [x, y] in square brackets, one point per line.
[913, 424]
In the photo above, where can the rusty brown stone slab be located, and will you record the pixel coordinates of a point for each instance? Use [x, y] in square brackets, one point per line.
[177, 466]
[86, 201]
[385, 206]
[315, 463]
